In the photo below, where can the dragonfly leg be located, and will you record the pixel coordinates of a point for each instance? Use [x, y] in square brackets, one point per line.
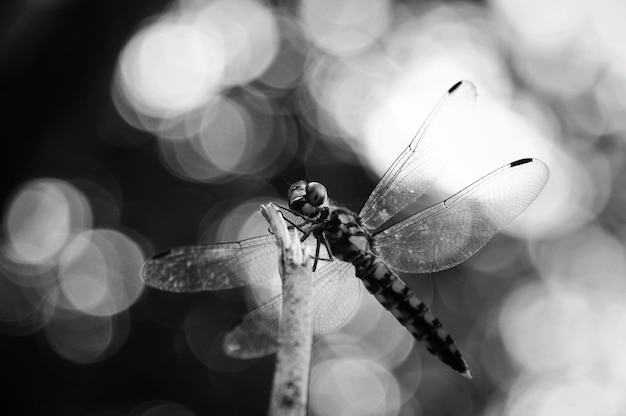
[296, 226]
[317, 251]
[305, 235]
[328, 250]
[317, 255]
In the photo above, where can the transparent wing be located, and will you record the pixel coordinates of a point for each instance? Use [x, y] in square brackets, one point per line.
[293, 219]
[336, 293]
[446, 234]
[421, 163]
[213, 266]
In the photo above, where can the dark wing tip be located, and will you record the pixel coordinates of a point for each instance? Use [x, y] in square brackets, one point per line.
[521, 161]
[160, 255]
[454, 87]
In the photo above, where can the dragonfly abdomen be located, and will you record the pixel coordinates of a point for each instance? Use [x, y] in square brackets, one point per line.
[408, 309]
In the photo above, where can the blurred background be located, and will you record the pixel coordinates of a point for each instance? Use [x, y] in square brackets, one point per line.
[132, 127]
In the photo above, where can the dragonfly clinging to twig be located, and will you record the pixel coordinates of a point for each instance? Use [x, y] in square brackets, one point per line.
[386, 236]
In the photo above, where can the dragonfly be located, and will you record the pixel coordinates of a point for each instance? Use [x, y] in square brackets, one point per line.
[369, 248]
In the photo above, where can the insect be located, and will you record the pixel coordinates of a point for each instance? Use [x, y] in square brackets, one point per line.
[387, 235]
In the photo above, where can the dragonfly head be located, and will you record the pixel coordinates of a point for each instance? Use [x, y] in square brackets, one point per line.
[308, 198]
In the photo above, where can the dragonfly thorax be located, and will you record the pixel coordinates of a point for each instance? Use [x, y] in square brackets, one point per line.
[345, 234]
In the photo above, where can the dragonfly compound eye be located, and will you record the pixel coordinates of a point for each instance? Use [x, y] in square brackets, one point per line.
[316, 193]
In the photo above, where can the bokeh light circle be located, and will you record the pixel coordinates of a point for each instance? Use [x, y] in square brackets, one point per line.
[100, 272]
[170, 67]
[347, 29]
[41, 217]
[353, 387]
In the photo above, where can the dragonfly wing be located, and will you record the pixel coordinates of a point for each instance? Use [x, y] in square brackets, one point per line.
[293, 219]
[336, 293]
[213, 266]
[446, 234]
[335, 297]
[257, 333]
[421, 163]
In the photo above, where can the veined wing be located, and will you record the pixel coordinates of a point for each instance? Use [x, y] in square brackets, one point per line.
[336, 293]
[294, 219]
[446, 234]
[216, 266]
[421, 163]
[213, 266]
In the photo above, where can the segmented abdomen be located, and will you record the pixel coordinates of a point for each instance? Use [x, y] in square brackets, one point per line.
[406, 307]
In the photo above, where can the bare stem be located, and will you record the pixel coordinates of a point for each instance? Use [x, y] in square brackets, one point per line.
[291, 376]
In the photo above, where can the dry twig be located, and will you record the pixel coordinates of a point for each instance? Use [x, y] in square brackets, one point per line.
[291, 376]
